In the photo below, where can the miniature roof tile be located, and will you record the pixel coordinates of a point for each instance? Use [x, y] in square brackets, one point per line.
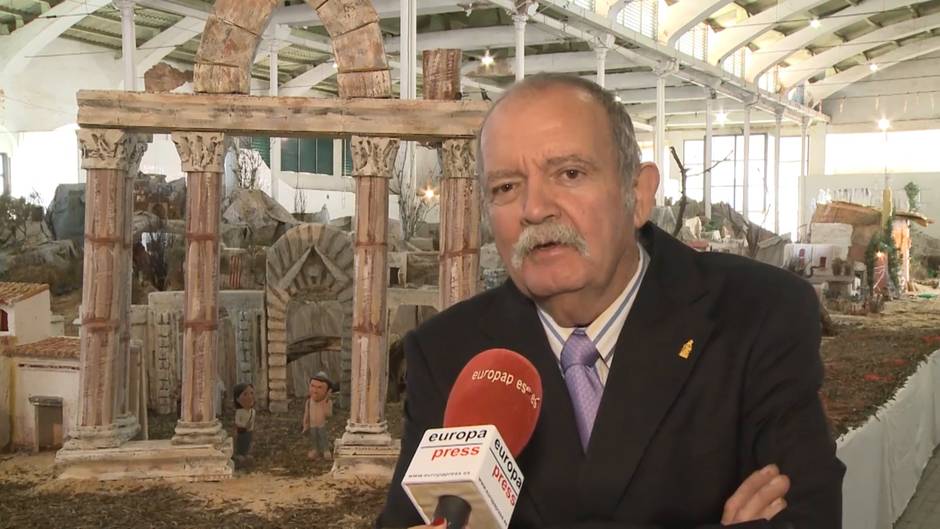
[56, 347]
[13, 292]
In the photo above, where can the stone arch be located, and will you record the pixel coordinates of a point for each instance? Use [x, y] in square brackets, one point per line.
[234, 30]
[306, 257]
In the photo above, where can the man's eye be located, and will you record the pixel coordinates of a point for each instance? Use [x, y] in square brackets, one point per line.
[572, 174]
[504, 188]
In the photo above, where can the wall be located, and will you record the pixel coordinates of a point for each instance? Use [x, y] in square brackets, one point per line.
[32, 319]
[42, 96]
[928, 183]
[48, 378]
[43, 160]
[6, 401]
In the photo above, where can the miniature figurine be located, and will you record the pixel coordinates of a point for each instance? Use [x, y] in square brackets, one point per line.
[318, 408]
[244, 421]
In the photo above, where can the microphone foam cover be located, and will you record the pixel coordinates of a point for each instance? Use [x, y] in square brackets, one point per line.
[498, 387]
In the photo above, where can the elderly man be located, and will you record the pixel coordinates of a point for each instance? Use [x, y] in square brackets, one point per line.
[680, 388]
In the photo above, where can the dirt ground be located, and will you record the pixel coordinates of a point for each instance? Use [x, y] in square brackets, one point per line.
[865, 364]
[873, 355]
[282, 489]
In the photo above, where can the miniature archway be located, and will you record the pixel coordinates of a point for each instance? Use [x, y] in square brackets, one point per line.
[307, 258]
[235, 27]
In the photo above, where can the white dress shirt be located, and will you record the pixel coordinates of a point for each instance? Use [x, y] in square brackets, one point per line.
[605, 329]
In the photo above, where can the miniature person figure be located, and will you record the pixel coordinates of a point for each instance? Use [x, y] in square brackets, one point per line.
[319, 407]
[244, 420]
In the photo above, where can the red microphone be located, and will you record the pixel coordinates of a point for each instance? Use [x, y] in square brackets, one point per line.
[498, 387]
[466, 473]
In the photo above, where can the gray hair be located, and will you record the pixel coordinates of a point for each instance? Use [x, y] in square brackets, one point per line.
[621, 126]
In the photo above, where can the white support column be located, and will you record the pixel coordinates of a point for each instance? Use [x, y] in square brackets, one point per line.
[745, 203]
[519, 21]
[128, 42]
[801, 191]
[337, 158]
[408, 85]
[601, 50]
[272, 91]
[707, 162]
[777, 132]
[659, 140]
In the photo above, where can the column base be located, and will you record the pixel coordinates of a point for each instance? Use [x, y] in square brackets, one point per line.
[113, 435]
[277, 406]
[366, 450]
[159, 459]
[200, 433]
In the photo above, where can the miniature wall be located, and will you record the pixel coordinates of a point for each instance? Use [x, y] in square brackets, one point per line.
[240, 343]
[31, 319]
[6, 403]
[47, 378]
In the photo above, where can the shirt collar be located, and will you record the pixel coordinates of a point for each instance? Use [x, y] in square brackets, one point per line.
[605, 329]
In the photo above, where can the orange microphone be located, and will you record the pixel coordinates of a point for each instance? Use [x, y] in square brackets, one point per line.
[466, 472]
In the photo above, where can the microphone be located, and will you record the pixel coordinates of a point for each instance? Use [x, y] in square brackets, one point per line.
[466, 472]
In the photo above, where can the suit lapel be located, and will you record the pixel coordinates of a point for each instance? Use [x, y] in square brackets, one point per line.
[554, 450]
[647, 373]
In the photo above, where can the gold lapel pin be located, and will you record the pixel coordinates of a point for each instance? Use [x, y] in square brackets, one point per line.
[686, 350]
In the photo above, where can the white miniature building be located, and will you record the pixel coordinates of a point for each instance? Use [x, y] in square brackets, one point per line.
[25, 313]
[44, 397]
[38, 373]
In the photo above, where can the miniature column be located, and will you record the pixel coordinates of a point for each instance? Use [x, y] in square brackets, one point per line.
[373, 163]
[202, 154]
[460, 224]
[111, 158]
[460, 199]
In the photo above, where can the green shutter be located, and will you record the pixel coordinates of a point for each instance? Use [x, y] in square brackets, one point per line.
[289, 154]
[324, 156]
[308, 155]
[263, 146]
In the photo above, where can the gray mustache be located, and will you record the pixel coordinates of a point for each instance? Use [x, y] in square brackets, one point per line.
[539, 234]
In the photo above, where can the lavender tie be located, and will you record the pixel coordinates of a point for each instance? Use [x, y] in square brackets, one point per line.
[577, 363]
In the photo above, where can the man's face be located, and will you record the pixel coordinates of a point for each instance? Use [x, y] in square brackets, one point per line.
[318, 390]
[552, 177]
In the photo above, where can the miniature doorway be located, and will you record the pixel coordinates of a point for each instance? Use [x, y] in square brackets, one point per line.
[47, 423]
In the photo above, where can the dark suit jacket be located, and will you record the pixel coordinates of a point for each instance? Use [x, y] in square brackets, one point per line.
[673, 438]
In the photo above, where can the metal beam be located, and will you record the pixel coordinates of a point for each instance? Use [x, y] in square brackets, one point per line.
[735, 120]
[16, 50]
[154, 50]
[576, 61]
[304, 15]
[731, 38]
[800, 71]
[767, 57]
[651, 53]
[476, 39]
[682, 16]
[171, 6]
[636, 80]
[691, 106]
[648, 95]
[830, 85]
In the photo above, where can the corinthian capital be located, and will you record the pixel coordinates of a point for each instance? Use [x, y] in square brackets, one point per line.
[201, 151]
[373, 156]
[459, 159]
[111, 148]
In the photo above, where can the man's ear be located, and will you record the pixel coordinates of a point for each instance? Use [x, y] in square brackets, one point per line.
[645, 185]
